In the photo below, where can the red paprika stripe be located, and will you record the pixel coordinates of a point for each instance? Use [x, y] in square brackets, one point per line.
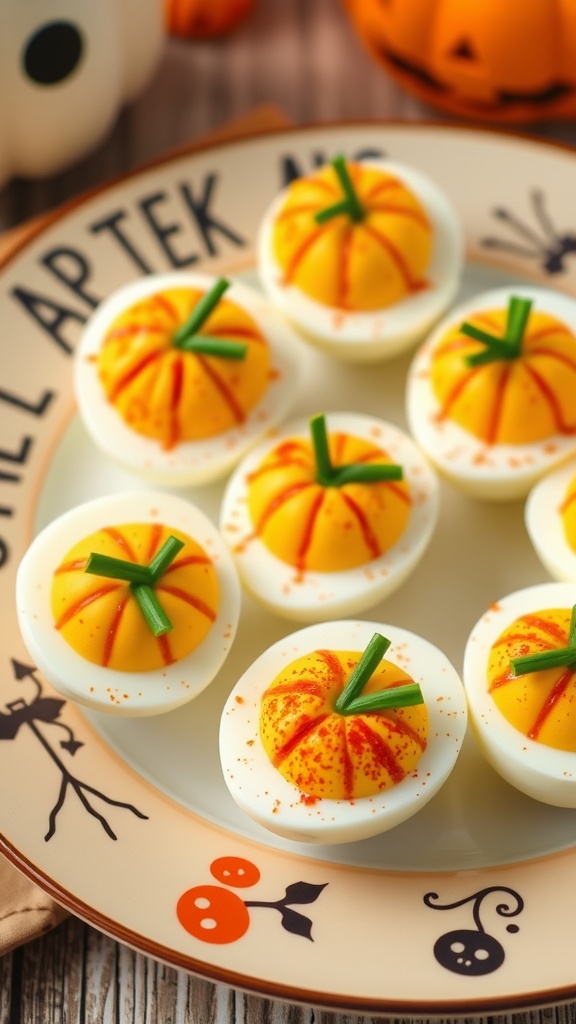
[557, 691]
[113, 632]
[84, 602]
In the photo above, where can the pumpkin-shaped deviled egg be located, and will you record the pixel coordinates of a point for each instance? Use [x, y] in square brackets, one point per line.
[550, 516]
[362, 257]
[129, 604]
[327, 519]
[325, 740]
[176, 375]
[491, 395]
[520, 680]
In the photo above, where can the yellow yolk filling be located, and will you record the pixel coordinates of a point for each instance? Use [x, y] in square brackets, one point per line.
[541, 705]
[366, 265]
[173, 395]
[100, 618]
[568, 513]
[325, 529]
[517, 401]
[332, 756]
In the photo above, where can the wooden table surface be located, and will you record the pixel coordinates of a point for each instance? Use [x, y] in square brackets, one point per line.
[301, 57]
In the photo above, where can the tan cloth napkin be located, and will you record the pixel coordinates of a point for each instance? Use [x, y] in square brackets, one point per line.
[25, 910]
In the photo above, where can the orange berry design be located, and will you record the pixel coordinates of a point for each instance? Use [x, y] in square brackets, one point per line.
[100, 618]
[216, 915]
[519, 400]
[173, 394]
[358, 264]
[235, 871]
[336, 756]
[324, 528]
[541, 705]
[213, 914]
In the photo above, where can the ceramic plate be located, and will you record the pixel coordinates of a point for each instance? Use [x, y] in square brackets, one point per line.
[466, 908]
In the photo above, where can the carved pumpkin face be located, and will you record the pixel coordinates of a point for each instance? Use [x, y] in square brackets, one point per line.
[491, 61]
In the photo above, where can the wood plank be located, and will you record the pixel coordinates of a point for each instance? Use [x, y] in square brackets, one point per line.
[261, 119]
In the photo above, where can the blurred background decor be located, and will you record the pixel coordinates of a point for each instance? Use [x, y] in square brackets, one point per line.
[66, 69]
[201, 19]
[512, 62]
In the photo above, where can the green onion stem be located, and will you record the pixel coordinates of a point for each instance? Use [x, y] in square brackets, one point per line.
[351, 204]
[508, 347]
[391, 697]
[201, 312]
[543, 660]
[328, 475]
[555, 658]
[164, 556]
[365, 668]
[324, 470]
[156, 618]
[142, 579]
[207, 345]
[366, 473]
[117, 569]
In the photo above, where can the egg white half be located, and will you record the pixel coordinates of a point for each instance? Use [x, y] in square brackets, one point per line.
[191, 462]
[544, 522]
[277, 805]
[315, 596]
[497, 472]
[541, 772]
[375, 335]
[105, 689]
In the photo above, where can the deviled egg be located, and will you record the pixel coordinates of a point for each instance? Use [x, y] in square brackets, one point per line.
[550, 516]
[324, 741]
[520, 680]
[177, 375]
[362, 257]
[491, 395]
[129, 604]
[326, 519]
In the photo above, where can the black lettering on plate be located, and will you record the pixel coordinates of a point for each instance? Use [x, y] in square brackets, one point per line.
[291, 168]
[35, 408]
[51, 316]
[18, 457]
[207, 223]
[164, 231]
[112, 224]
[73, 270]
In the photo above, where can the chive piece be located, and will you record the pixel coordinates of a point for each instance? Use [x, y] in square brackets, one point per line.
[507, 347]
[543, 660]
[210, 346]
[117, 568]
[201, 312]
[324, 470]
[142, 579]
[164, 556]
[328, 475]
[351, 204]
[366, 473]
[156, 618]
[555, 658]
[517, 319]
[391, 697]
[367, 665]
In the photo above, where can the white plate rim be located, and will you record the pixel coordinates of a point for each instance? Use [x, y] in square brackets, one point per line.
[451, 998]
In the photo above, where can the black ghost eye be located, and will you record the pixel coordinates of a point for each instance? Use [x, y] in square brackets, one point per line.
[52, 52]
[463, 50]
